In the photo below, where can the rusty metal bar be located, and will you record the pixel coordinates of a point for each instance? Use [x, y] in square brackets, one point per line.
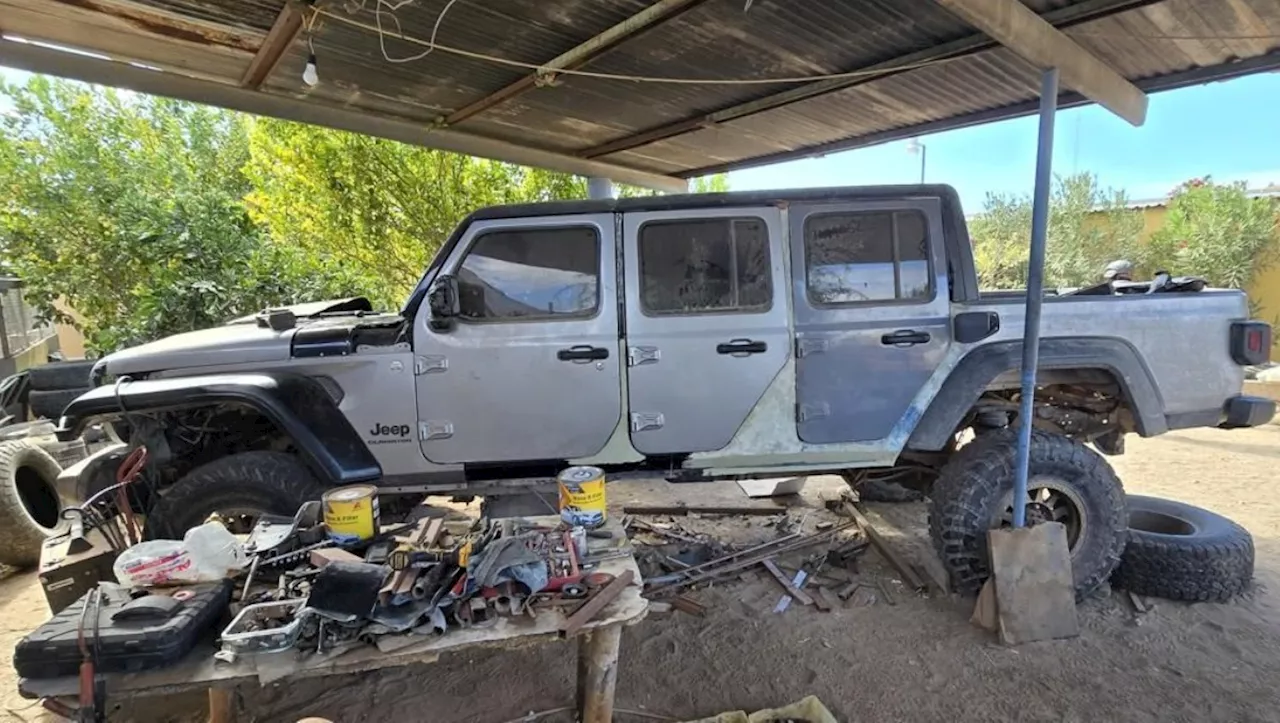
[590, 608]
[579, 55]
[282, 34]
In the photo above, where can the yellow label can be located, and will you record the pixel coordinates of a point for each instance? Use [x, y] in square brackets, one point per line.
[351, 513]
[582, 499]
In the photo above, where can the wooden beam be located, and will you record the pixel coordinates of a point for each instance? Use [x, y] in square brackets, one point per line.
[282, 34]
[579, 55]
[317, 110]
[1016, 27]
[1081, 12]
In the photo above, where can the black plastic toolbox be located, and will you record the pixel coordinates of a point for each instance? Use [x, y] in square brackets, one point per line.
[52, 650]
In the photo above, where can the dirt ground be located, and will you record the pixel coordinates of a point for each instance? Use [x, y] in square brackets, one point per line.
[918, 659]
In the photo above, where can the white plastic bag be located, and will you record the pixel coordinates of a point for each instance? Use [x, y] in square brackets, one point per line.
[207, 553]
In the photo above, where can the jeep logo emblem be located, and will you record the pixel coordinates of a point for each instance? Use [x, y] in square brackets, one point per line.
[390, 430]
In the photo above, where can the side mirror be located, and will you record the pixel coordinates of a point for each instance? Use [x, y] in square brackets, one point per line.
[442, 301]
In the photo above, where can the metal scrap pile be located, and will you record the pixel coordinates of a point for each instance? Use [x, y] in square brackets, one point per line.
[304, 589]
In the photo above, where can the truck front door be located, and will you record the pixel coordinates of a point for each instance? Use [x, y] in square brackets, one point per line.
[706, 327]
[872, 315]
[529, 368]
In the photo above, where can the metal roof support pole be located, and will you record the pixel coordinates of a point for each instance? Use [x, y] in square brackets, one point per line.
[1035, 288]
[598, 187]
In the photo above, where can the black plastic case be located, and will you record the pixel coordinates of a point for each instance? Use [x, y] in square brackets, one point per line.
[52, 650]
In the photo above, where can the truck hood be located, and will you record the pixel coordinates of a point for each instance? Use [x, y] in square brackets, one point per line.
[232, 344]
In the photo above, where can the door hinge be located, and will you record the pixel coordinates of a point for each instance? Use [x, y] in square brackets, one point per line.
[435, 430]
[807, 347]
[429, 363]
[642, 421]
[637, 355]
[814, 410]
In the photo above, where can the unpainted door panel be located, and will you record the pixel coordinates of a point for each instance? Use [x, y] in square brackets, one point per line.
[872, 314]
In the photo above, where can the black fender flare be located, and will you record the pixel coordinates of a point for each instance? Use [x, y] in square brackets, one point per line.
[983, 364]
[297, 404]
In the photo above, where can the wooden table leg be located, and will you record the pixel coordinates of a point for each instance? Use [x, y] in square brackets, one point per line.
[598, 673]
[220, 704]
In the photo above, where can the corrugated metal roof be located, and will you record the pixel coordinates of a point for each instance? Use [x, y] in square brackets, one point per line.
[693, 129]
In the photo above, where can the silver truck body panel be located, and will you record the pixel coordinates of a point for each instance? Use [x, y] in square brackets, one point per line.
[685, 394]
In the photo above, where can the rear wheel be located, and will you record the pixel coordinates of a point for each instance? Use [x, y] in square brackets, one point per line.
[239, 488]
[1068, 483]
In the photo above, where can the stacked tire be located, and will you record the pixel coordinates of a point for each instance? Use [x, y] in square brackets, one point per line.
[55, 385]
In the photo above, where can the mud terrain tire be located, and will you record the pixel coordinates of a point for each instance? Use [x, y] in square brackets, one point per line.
[248, 482]
[30, 509]
[1182, 552]
[976, 486]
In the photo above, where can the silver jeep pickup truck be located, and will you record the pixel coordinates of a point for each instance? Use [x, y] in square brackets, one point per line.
[696, 337]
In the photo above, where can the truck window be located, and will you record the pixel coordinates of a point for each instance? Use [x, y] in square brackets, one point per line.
[871, 256]
[707, 265]
[527, 274]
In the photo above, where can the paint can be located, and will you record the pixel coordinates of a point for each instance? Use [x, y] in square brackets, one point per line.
[582, 500]
[351, 513]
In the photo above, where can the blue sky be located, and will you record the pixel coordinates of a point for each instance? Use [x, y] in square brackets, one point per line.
[1230, 130]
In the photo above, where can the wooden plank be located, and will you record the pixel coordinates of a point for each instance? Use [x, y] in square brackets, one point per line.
[1035, 593]
[899, 563]
[282, 34]
[701, 510]
[1018, 28]
[800, 595]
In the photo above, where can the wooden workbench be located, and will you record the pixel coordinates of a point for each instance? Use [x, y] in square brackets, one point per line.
[598, 651]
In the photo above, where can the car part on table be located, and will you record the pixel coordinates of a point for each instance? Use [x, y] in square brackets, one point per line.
[127, 645]
[71, 566]
[264, 627]
[1183, 552]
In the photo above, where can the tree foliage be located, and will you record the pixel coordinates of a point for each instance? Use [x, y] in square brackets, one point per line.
[128, 210]
[1089, 226]
[1217, 231]
[150, 216]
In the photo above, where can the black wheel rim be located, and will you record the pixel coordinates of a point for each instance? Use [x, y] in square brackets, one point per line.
[1049, 499]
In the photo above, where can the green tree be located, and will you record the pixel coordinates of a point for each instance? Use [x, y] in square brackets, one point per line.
[128, 209]
[1089, 226]
[1217, 231]
[380, 208]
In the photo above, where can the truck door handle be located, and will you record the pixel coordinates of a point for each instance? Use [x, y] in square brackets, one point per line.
[905, 337]
[742, 346]
[582, 353]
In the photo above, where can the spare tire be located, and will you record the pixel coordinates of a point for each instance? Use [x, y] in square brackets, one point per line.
[30, 509]
[55, 376]
[50, 405]
[1183, 552]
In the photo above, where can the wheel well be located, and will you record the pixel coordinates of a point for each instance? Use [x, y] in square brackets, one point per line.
[181, 440]
[1085, 404]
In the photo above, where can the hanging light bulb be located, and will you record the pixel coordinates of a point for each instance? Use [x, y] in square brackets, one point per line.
[310, 75]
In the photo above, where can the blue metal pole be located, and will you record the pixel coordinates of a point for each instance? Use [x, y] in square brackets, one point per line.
[1035, 288]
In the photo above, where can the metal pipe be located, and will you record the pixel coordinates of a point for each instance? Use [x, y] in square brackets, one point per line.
[1035, 288]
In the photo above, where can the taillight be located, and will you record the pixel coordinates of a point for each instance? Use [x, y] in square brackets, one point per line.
[1250, 342]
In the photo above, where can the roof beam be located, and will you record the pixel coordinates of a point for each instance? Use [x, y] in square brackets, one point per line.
[578, 56]
[39, 59]
[1081, 12]
[282, 34]
[1195, 76]
[1016, 27]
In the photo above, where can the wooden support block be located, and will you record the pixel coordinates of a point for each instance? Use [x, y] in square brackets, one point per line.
[985, 614]
[1035, 593]
[800, 595]
[899, 563]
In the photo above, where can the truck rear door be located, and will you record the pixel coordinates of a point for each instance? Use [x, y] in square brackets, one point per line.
[872, 315]
[706, 322]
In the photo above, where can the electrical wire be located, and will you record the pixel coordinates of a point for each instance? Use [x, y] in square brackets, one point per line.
[389, 7]
[433, 45]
